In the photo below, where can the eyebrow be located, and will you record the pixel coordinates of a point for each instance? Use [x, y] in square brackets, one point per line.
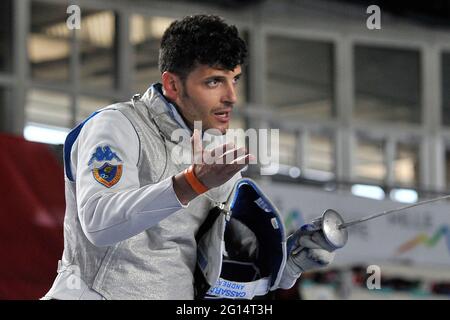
[222, 77]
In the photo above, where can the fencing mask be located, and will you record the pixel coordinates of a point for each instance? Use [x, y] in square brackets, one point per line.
[241, 249]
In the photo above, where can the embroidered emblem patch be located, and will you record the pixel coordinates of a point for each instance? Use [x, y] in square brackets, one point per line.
[106, 166]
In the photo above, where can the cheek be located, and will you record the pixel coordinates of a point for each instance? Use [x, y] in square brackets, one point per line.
[206, 101]
[197, 109]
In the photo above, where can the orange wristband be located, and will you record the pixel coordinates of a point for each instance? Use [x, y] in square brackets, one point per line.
[195, 184]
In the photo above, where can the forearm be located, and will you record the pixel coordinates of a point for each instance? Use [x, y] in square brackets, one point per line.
[109, 218]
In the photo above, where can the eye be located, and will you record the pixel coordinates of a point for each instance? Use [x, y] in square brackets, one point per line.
[212, 83]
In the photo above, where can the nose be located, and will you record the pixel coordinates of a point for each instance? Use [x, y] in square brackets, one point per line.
[230, 94]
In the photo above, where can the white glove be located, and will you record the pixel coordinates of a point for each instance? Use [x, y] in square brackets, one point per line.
[305, 252]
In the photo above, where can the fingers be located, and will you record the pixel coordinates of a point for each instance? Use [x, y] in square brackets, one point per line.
[237, 156]
[229, 155]
[239, 163]
[313, 241]
[219, 151]
[306, 241]
[224, 154]
[309, 259]
[214, 166]
[321, 256]
[244, 160]
[197, 147]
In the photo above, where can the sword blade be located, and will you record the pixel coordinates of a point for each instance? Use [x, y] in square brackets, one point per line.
[377, 215]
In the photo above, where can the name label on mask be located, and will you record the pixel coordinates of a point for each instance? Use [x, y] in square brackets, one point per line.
[228, 289]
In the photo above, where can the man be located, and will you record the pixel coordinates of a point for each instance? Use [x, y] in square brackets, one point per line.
[132, 209]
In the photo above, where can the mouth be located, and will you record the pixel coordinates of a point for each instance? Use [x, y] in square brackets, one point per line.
[223, 116]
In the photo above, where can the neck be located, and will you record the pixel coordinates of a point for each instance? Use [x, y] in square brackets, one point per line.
[180, 112]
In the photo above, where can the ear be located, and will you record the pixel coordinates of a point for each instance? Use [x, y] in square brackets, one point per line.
[171, 85]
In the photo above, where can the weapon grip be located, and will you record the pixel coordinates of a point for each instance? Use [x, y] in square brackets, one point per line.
[306, 229]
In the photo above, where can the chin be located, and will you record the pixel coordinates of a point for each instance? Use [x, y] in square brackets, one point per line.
[222, 127]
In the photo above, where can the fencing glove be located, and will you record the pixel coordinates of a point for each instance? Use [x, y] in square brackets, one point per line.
[305, 252]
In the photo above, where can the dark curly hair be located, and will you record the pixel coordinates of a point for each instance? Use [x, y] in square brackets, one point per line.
[200, 39]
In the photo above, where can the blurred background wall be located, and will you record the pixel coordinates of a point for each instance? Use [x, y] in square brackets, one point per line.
[363, 114]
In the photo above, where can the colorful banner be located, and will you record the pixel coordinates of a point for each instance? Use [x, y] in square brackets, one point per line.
[419, 235]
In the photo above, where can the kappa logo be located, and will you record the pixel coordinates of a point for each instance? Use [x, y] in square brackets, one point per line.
[106, 166]
[103, 154]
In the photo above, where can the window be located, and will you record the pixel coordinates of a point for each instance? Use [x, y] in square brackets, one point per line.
[446, 89]
[50, 46]
[48, 108]
[87, 105]
[319, 157]
[406, 166]
[97, 38]
[49, 42]
[300, 77]
[47, 116]
[370, 165]
[287, 149]
[242, 85]
[6, 35]
[387, 84]
[145, 36]
[241, 88]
